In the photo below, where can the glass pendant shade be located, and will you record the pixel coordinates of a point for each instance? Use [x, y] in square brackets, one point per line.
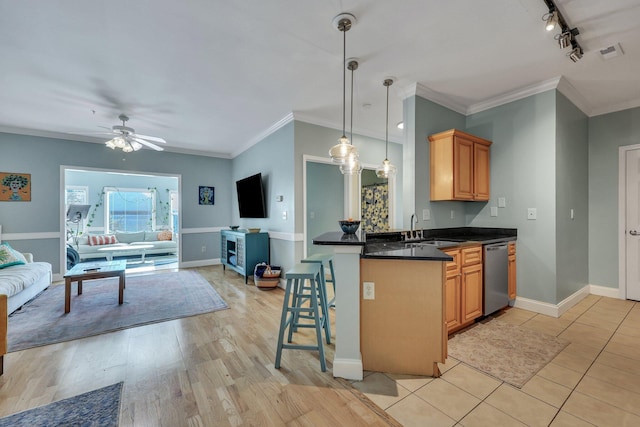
[386, 169]
[351, 166]
[342, 151]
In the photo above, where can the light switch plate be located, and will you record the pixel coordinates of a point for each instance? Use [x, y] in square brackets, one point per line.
[532, 213]
[502, 202]
[494, 211]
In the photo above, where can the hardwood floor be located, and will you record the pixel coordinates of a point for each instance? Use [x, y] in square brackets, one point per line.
[209, 370]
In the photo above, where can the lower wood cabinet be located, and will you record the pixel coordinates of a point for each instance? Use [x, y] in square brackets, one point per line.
[512, 271]
[463, 286]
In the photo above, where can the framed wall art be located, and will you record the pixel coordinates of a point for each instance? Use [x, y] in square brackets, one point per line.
[206, 195]
[15, 187]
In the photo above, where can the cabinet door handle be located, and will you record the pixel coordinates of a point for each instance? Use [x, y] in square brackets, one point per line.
[634, 233]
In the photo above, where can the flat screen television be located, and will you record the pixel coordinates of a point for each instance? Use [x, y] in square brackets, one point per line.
[251, 197]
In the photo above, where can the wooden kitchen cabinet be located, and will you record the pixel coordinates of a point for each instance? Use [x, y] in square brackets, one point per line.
[459, 166]
[402, 329]
[463, 286]
[512, 271]
[452, 297]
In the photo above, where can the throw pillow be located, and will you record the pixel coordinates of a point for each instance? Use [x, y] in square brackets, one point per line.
[9, 257]
[99, 240]
[165, 235]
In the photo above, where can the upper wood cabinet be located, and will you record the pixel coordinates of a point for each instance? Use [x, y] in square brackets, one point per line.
[459, 164]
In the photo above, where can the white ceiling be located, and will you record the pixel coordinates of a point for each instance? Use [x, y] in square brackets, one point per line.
[214, 77]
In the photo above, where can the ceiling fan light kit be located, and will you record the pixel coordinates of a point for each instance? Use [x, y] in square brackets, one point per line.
[128, 140]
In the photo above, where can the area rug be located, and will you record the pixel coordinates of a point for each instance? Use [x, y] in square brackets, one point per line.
[96, 408]
[507, 352]
[147, 299]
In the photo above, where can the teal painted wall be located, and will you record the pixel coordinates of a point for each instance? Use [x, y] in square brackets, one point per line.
[43, 157]
[572, 192]
[324, 183]
[607, 133]
[430, 118]
[316, 140]
[523, 171]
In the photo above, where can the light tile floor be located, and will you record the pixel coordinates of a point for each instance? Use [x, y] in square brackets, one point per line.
[593, 381]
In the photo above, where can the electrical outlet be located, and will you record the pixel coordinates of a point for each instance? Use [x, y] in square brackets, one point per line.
[204, 249]
[494, 211]
[502, 202]
[368, 290]
[453, 214]
[284, 215]
[426, 215]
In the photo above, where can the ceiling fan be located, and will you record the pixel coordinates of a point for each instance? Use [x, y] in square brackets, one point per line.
[128, 140]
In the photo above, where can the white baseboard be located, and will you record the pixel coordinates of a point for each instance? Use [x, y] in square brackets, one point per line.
[200, 263]
[350, 369]
[557, 310]
[605, 291]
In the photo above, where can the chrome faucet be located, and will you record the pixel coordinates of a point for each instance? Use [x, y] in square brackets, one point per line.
[413, 216]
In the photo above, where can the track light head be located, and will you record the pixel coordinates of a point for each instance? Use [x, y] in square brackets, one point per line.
[564, 39]
[576, 54]
[552, 20]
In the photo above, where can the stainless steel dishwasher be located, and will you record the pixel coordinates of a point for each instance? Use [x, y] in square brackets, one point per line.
[496, 277]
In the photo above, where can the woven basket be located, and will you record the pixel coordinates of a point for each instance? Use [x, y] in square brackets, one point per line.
[266, 277]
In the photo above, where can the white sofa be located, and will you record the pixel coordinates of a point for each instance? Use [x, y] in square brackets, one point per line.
[19, 284]
[129, 240]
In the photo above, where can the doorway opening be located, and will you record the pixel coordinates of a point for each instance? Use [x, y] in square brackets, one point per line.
[132, 215]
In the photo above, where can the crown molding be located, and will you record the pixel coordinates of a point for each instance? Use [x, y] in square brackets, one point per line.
[262, 135]
[514, 95]
[422, 91]
[634, 103]
[572, 94]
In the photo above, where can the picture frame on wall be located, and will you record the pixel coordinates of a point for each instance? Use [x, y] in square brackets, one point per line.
[206, 195]
[15, 187]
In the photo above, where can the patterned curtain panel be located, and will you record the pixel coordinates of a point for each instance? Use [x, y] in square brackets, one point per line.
[375, 207]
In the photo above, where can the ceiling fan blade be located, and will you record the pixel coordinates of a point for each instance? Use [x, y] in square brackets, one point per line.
[151, 138]
[148, 144]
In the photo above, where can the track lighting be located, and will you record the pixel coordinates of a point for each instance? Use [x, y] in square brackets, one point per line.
[564, 39]
[567, 36]
[576, 54]
[552, 20]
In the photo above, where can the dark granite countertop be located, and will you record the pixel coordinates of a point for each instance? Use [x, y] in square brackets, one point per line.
[409, 252]
[339, 238]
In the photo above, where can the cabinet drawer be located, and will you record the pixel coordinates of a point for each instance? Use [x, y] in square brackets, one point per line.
[512, 248]
[455, 264]
[471, 255]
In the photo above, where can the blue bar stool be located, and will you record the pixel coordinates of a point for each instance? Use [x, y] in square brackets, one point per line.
[293, 311]
[325, 259]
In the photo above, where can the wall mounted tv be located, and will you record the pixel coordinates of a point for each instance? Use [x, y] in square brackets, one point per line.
[251, 197]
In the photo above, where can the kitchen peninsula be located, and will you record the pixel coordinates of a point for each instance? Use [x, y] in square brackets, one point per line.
[399, 325]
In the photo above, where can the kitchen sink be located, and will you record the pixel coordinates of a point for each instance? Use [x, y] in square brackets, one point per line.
[435, 243]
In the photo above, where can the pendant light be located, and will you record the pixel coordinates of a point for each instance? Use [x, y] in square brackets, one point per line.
[386, 169]
[344, 150]
[352, 163]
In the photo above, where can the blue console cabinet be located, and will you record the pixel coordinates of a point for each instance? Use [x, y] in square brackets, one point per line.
[241, 250]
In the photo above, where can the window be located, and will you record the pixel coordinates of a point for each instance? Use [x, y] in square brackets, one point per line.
[75, 195]
[129, 210]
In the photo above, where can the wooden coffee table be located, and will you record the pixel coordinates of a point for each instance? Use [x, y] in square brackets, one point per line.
[91, 271]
